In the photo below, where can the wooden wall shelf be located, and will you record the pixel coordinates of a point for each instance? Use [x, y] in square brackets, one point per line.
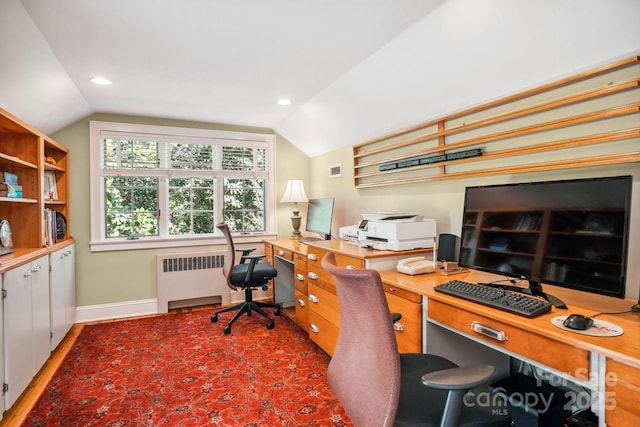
[544, 128]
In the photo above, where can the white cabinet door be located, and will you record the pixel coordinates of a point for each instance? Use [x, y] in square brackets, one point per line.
[70, 285]
[63, 293]
[26, 325]
[18, 332]
[41, 312]
[2, 382]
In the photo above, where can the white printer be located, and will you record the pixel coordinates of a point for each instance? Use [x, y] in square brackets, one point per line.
[392, 231]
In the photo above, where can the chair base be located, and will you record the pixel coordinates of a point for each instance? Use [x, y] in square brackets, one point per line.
[248, 306]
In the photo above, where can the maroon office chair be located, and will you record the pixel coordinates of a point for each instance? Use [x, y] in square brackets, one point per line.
[247, 276]
[376, 385]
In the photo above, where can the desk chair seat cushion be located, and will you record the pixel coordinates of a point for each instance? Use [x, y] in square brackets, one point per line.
[417, 402]
[262, 273]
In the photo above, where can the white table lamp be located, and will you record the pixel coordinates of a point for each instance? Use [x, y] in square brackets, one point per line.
[294, 194]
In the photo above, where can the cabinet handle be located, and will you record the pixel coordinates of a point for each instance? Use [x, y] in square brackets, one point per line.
[312, 275]
[27, 272]
[312, 257]
[300, 277]
[351, 267]
[313, 298]
[398, 327]
[300, 302]
[281, 252]
[37, 268]
[392, 290]
[313, 328]
[488, 331]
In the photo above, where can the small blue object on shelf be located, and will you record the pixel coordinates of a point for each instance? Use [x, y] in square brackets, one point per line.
[9, 178]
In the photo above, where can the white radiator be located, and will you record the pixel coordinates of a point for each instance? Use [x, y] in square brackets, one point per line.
[183, 278]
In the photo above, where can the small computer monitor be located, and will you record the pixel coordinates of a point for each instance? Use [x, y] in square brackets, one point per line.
[319, 216]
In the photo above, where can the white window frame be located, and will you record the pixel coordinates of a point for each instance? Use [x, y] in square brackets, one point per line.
[99, 129]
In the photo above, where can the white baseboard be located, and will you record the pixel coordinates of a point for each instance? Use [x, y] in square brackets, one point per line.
[143, 307]
[118, 310]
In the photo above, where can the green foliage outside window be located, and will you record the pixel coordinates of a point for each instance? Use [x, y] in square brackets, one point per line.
[132, 203]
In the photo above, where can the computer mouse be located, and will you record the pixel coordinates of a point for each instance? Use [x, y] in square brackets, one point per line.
[578, 322]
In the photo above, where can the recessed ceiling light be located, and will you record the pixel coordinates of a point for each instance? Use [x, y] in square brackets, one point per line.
[284, 101]
[101, 81]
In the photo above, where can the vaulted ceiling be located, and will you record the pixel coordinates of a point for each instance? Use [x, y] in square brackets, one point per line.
[352, 69]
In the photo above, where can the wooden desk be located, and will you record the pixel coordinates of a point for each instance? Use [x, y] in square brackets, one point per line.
[314, 295]
[608, 367]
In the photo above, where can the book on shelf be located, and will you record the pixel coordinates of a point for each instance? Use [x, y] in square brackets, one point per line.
[50, 229]
[10, 190]
[8, 178]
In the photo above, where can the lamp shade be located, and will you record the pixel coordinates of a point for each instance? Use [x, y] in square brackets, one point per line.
[294, 192]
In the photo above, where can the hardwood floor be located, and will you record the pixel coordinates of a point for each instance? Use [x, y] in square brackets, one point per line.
[21, 408]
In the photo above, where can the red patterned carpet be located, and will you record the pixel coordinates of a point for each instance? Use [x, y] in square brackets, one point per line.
[181, 370]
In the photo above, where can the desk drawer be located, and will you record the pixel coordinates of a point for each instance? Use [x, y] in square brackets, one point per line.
[283, 253]
[623, 394]
[402, 293]
[302, 310]
[324, 304]
[410, 337]
[323, 332]
[301, 280]
[561, 356]
[346, 261]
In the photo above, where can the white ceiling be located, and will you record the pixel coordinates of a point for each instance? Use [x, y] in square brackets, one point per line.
[353, 69]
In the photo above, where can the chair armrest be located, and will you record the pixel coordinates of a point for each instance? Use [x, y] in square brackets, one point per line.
[460, 378]
[245, 253]
[253, 260]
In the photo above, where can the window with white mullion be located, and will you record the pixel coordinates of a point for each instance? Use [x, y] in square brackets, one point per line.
[177, 183]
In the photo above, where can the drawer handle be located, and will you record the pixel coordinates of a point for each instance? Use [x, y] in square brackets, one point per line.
[351, 267]
[488, 331]
[392, 289]
[398, 327]
[281, 252]
[312, 257]
[313, 298]
[300, 277]
[300, 302]
[313, 328]
[312, 275]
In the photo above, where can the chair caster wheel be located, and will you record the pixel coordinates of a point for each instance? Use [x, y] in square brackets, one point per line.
[214, 318]
[227, 330]
[270, 325]
[276, 311]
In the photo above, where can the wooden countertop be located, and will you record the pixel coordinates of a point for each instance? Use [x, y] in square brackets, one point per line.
[342, 247]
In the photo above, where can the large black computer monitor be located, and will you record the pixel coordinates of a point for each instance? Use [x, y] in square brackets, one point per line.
[572, 233]
[319, 216]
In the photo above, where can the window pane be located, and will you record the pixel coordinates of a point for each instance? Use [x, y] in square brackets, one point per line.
[244, 204]
[126, 154]
[191, 206]
[243, 159]
[192, 156]
[131, 206]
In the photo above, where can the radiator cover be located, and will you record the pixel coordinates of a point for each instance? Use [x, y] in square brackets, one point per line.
[182, 277]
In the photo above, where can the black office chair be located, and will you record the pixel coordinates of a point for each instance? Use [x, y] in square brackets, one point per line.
[248, 276]
[377, 386]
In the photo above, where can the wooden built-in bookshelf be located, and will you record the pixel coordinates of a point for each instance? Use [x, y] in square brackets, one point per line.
[28, 153]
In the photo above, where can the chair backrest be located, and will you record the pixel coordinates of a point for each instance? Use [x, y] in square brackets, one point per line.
[230, 256]
[364, 372]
